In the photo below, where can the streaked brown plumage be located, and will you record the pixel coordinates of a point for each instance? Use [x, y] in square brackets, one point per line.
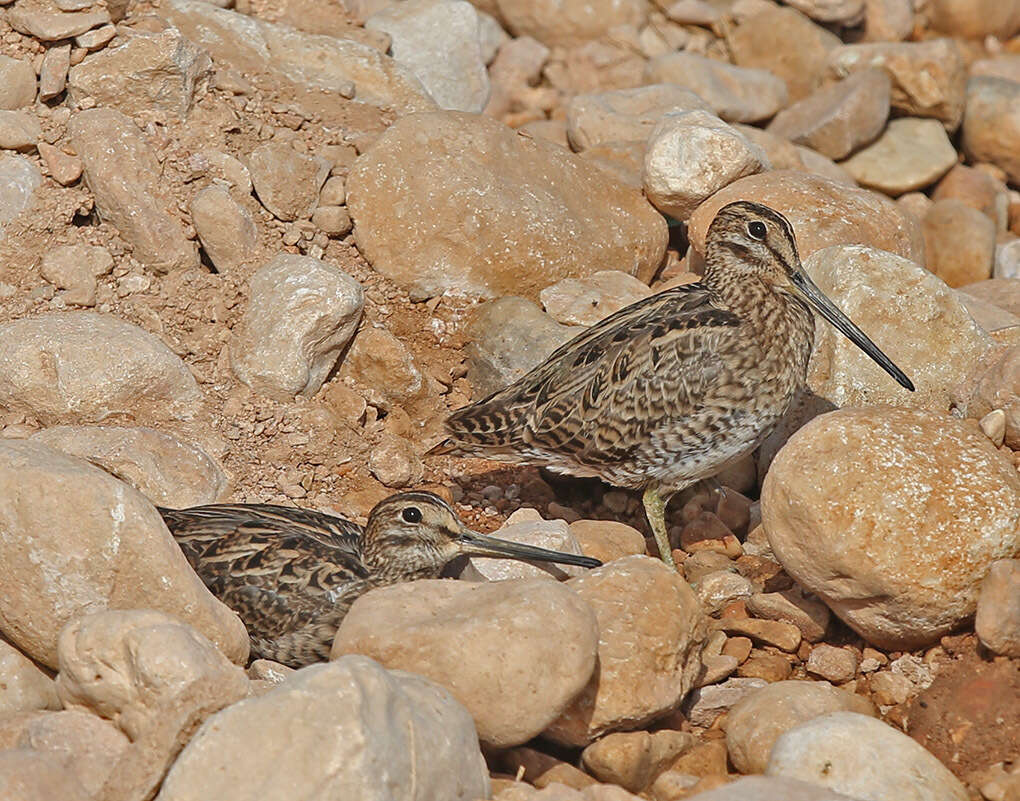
[677, 386]
[292, 574]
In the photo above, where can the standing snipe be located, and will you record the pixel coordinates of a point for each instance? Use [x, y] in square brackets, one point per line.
[292, 574]
[677, 386]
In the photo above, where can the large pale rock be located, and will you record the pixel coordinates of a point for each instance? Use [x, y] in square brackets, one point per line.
[301, 314]
[567, 22]
[19, 178]
[737, 94]
[224, 227]
[161, 71]
[325, 63]
[929, 79]
[883, 479]
[585, 301]
[838, 119]
[89, 366]
[23, 686]
[762, 40]
[19, 130]
[862, 757]
[133, 666]
[164, 469]
[514, 214]
[756, 721]
[122, 171]
[651, 632]
[822, 213]
[991, 126]
[452, 633]
[83, 743]
[28, 775]
[508, 337]
[691, 156]
[881, 292]
[910, 154]
[997, 622]
[118, 554]
[769, 788]
[439, 41]
[349, 729]
[625, 115]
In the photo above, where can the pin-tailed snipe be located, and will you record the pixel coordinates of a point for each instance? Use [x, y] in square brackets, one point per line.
[292, 574]
[671, 389]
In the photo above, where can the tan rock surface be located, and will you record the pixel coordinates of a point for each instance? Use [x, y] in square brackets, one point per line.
[301, 314]
[974, 19]
[23, 686]
[348, 729]
[822, 213]
[762, 40]
[736, 94]
[959, 242]
[585, 301]
[166, 470]
[879, 291]
[991, 126]
[323, 62]
[648, 657]
[910, 154]
[632, 759]
[838, 119]
[122, 171]
[17, 83]
[994, 384]
[567, 22]
[882, 480]
[508, 208]
[87, 366]
[451, 632]
[757, 720]
[131, 666]
[625, 115]
[693, 155]
[225, 228]
[27, 775]
[118, 554]
[122, 77]
[87, 746]
[863, 757]
[929, 79]
[998, 608]
[75, 268]
[607, 540]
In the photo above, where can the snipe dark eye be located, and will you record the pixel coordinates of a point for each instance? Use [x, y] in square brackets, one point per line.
[757, 230]
[412, 514]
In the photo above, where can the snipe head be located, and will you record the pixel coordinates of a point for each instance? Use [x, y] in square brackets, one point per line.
[418, 534]
[747, 241]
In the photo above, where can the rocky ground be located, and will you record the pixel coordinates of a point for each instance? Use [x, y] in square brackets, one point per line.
[258, 252]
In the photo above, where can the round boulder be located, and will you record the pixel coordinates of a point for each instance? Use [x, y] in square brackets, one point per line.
[514, 652]
[75, 540]
[892, 517]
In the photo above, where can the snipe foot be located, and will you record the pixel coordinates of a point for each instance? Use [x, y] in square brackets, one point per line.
[655, 510]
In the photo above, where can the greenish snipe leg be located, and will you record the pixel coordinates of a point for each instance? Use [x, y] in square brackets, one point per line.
[655, 510]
